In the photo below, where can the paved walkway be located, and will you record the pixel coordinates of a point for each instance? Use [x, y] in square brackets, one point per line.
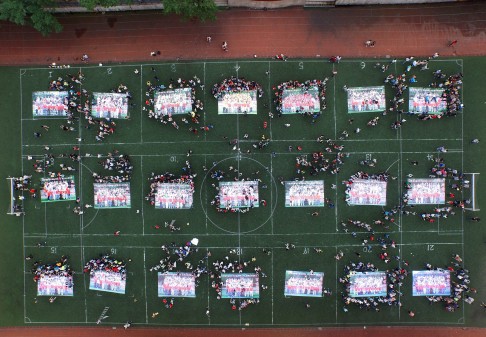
[296, 32]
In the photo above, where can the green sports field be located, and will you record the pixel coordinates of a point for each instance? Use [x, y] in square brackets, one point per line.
[157, 148]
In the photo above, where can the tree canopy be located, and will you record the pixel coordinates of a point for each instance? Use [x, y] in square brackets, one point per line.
[192, 9]
[36, 12]
[30, 12]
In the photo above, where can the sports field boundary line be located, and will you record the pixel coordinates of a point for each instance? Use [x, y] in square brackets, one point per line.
[38, 235]
[400, 216]
[145, 283]
[141, 104]
[204, 100]
[462, 169]
[261, 247]
[336, 285]
[39, 119]
[336, 199]
[258, 60]
[107, 324]
[23, 218]
[205, 156]
[207, 283]
[238, 159]
[143, 196]
[259, 154]
[272, 221]
[400, 194]
[278, 249]
[251, 141]
[273, 285]
[81, 217]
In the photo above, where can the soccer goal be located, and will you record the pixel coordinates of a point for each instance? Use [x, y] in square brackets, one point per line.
[471, 183]
[14, 209]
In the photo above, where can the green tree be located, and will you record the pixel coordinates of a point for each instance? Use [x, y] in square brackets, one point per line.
[91, 4]
[192, 9]
[31, 12]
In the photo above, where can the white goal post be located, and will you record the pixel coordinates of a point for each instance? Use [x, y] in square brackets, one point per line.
[14, 208]
[474, 177]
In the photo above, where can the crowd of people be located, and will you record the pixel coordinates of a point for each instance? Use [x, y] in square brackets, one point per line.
[178, 259]
[455, 181]
[19, 185]
[394, 279]
[79, 102]
[105, 126]
[304, 87]
[450, 85]
[364, 232]
[238, 198]
[106, 263]
[460, 289]
[155, 180]
[367, 193]
[70, 83]
[59, 269]
[119, 163]
[236, 266]
[329, 160]
[235, 84]
[165, 103]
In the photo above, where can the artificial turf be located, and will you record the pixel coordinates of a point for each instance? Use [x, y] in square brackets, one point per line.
[157, 148]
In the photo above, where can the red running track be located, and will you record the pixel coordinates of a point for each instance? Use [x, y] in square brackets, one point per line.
[297, 32]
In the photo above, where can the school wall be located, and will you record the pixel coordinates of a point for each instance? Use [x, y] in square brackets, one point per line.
[73, 6]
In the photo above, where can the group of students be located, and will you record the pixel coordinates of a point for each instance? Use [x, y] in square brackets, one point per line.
[177, 259]
[119, 163]
[368, 193]
[156, 180]
[106, 263]
[235, 84]
[284, 87]
[329, 160]
[460, 289]
[234, 199]
[229, 266]
[59, 269]
[161, 100]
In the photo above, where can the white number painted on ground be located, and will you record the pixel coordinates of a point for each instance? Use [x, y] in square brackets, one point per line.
[363, 65]
[173, 159]
[366, 250]
[53, 250]
[113, 250]
[108, 71]
[301, 65]
[430, 248]
[173, 67]
[368, 156]
[239, 251]
[430, 157]
[306, 250]
[237, 67]
[50, 74]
